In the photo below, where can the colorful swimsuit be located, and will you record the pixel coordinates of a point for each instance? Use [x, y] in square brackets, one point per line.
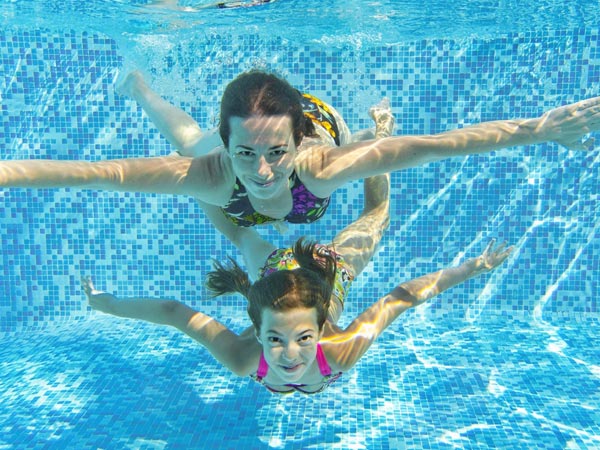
[324, 368]
[306, 207]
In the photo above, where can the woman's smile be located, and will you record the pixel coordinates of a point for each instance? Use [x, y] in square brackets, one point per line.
[263, 153]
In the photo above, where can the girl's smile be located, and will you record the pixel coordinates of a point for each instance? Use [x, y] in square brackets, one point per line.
[289, 339]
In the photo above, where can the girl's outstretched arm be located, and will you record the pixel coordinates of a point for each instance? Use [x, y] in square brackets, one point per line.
[353, 342]
[239, 353]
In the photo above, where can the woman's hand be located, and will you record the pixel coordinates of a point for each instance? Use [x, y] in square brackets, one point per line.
[569, 124]
[98, 300]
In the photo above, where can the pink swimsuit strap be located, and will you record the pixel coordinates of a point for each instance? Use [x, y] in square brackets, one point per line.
[263, 367]
[322, 362]
[324, 368]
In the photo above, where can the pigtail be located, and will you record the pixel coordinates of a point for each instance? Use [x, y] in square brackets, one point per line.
[227, 279]
[318, 260]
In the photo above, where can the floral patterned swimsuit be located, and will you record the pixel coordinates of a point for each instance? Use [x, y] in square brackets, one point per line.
[306, 207]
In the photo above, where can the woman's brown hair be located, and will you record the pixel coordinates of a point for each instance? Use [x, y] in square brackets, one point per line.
[263, 94]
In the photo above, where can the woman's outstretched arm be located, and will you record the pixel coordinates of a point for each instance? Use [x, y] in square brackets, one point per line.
[353, 342]
[238, 353]
[253, 247]
[207, 178]
[325, 169]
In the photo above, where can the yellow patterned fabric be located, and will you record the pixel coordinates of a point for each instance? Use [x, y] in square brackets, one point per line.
[283, 259]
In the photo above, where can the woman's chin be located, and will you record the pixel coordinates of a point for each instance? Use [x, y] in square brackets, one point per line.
[263, 191]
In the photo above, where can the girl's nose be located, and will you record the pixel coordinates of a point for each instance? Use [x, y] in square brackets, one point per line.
[290, 353]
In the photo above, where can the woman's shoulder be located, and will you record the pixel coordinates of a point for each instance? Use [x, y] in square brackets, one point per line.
[213, 176]
[311, 166]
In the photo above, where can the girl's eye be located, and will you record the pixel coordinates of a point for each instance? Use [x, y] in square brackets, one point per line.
[273, 340]
[306, 338]
[245, 153]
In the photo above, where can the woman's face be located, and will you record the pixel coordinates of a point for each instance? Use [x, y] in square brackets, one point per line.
[263, 151]
[289, 340]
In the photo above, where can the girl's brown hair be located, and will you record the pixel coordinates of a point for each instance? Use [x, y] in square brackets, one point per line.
[309, 286]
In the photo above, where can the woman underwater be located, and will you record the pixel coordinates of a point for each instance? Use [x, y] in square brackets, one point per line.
[279, 164]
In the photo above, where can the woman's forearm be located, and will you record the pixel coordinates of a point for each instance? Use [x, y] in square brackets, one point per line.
[156, 175]
[400, 152]
[567, 125]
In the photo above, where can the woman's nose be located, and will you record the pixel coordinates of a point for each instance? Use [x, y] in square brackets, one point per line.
[264, 168]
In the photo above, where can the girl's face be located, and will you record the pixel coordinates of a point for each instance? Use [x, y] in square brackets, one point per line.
[289, 340]
[263, 151]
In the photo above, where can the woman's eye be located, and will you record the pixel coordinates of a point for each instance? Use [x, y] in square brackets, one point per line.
[276, 154]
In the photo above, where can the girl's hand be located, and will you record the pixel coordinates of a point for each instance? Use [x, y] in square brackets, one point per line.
[98, 300]
[490, 258]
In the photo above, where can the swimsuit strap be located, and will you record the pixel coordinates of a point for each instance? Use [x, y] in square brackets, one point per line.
[324, 367]
[263, 367]
[306, 207]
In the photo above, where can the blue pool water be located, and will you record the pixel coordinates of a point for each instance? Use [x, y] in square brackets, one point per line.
[508, 360]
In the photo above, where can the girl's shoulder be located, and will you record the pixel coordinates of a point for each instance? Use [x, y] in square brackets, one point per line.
[339, 348]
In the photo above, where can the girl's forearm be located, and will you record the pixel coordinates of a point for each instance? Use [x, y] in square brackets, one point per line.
[419, 290]
[147, 309]
[226, 346]
[197, 325]
[412, 293]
